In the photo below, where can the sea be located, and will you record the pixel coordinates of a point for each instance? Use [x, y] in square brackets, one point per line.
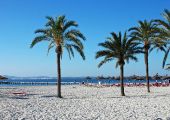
[66, 81]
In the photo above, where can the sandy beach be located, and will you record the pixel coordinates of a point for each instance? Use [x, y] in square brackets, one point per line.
[84, 103]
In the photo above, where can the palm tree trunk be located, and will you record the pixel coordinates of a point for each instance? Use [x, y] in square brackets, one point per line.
[121, 80]
[58, 50]
[147, 69]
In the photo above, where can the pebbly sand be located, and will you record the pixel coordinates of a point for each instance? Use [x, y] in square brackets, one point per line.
[84, 103]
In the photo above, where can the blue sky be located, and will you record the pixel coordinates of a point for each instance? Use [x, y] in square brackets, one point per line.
[96, 19]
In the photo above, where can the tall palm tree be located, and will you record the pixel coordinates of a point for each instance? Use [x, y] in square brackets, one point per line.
[165, 25]
[148, 34]
[120, 48]
[60, 33]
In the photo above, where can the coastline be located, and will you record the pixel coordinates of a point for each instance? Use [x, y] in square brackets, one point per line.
[73, 81]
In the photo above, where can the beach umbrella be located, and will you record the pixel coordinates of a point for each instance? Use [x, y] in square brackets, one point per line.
[140, 78]
[3, 78]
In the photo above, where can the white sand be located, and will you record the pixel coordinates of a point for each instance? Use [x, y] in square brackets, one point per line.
[84, 103]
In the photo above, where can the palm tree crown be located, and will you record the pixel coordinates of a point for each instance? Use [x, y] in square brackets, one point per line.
[60, 32]
[165, 25]
[120, 48]
[148, 34]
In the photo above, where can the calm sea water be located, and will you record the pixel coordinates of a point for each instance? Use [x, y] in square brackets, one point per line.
[73, 80]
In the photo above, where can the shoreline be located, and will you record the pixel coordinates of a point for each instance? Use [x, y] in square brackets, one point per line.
[99, 84]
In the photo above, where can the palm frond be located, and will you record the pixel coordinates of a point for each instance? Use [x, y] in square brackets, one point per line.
[69, 24]
[104, 61]
[51, 22]
[37, 40]
[50, 46]
[80, 51]
[163, 23]
[102, 53]
[75, 33]
[69, 50]
[166, 15]
[134, 29]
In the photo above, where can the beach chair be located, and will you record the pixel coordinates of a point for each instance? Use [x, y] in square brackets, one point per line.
[19, 93]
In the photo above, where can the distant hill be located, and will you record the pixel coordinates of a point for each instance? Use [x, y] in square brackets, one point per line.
[33, 77]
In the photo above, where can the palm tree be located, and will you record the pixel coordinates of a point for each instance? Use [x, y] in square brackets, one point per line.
[165, 25]
[148, 34]
[120, 48]
[60, 33]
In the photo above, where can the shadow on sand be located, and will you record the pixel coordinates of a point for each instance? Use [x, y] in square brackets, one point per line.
[49, 96]
[19, 97]
[142, 96]
[11, 96]
[84, 97]
[114, 97]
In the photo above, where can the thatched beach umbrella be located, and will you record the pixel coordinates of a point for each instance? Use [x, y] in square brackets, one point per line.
[139, 78]
[132, 77]
[100, 77]
[156, 77]
[3, 78]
